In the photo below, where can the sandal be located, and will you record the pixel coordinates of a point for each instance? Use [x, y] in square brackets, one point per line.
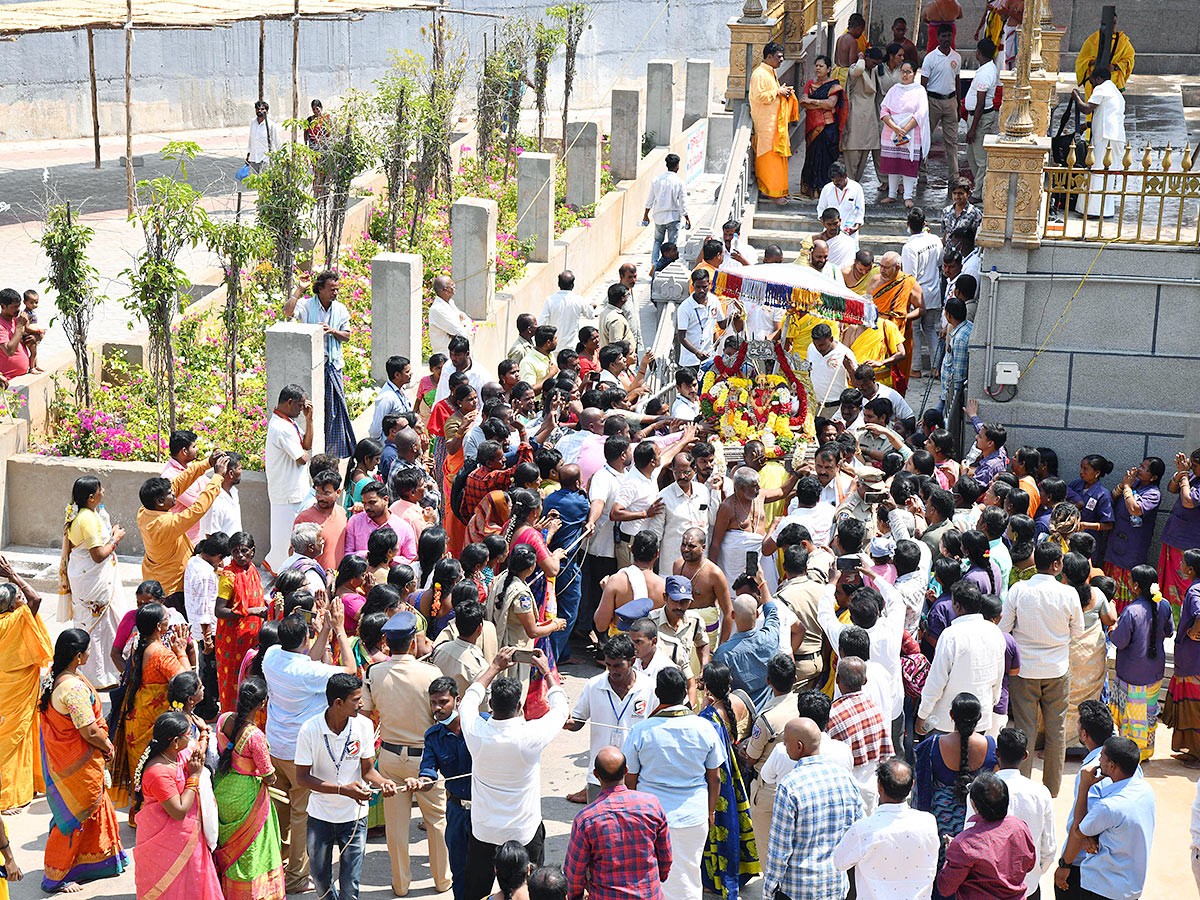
[886, 200]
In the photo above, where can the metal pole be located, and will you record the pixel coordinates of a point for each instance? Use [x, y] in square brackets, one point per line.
[129, 106]
[295, 66]
[95, 108]
[262, 48]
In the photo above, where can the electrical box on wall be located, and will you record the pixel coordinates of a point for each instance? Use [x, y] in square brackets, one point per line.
[1007, 373]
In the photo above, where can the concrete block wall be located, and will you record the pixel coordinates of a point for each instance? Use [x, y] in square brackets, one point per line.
[1121, 375]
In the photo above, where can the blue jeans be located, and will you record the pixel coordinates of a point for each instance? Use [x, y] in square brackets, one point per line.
[666, 232]
[351, 839]
[458, 835]
[568, 587]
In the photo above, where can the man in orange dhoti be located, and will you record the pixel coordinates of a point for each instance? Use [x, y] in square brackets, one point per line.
[898, 297]
[772, 107]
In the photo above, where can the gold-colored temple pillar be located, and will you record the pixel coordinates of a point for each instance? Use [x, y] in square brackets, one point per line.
[1041, 100]
[1013, 184]
[746, 41]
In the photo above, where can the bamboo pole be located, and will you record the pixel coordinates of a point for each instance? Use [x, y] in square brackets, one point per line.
[295, 67]
[91, 39]
[129, 106]
[262, 47]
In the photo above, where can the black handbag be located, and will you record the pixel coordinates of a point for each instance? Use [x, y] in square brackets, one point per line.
[1060, 148]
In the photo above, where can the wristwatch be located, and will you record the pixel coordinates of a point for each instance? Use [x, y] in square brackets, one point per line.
[1063, 864]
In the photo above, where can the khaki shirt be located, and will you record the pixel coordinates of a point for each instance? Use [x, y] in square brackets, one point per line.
[399, 690]
[858, 508]
[690, 634]
[820, 565]
[488, 644]
[769, 725]
[801, 595]
[461, 660]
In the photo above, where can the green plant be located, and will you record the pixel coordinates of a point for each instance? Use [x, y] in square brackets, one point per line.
[343, 155]
[546, 41]
[171, 217]
[391, 133]
[284, 205]
[440, 82]
[73, 279]
[574, 17]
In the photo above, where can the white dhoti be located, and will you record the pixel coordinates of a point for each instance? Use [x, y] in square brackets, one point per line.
[734, 547]
[283, 518]
[687, 853]
[1098, 204]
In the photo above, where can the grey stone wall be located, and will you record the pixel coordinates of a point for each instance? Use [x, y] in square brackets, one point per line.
[208, 79]
[1121, 375]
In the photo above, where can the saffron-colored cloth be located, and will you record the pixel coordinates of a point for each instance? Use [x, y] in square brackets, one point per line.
[772, 114]
[489, 516]
[84, 841]
[892, 300]
[164, 534]
[878, 343]
[25, 647]
[136, 727]
[171, 859]
[243, 590]
[1121, 62]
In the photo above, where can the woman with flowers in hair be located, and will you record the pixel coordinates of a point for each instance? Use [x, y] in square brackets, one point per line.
[172, 860]
[434, 602]
[184, 693]
[161, 654]
[84, 841]
[240, 611]
[89, 583]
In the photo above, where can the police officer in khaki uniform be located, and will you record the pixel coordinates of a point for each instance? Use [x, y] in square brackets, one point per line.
[767, 732]
[398, 690]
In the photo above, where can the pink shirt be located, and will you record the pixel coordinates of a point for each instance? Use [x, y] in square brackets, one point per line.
[173, 470]
[591, 457]
[360, 527]
[410, 513]
[18, 364]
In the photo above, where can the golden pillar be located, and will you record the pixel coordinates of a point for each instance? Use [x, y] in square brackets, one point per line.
[1041, 90]
[746, 41]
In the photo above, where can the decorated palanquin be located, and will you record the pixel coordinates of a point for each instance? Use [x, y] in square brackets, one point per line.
[774, 406]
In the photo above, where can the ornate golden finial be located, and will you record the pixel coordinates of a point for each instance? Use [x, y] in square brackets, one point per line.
[1166, 158]
[1187, 157]
[1146, 157]
[1127, 159]
[1089, 159]
[1107, 161]
[1071, 156]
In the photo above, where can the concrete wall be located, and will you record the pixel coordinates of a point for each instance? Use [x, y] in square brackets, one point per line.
[39, 488]
[1119, 377]
[204, 79]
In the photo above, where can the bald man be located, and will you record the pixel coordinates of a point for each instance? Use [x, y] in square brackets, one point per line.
[748, 652]
[711, 597]
[741, 522]
[632, 820]
[445, 318]
[898, 297]
[818, 258]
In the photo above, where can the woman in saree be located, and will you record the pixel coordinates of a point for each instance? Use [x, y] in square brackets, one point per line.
[1022, 538]
[25, 648]
[1182, 531]
[184, 693]
[1139, 636]
[433, 603]
[1089, 651]
[84, 841]
[365, 464]
[731, 857]
[89, 581]
[248, 845]
[825, 111]
[1181, 712]
[1135, 502]
[171, 859]
[946, 765]
[464, 417]
[489, 516]
[905, 139]
[241, 610]
[350, 585]
[370, 647]
[160, 655]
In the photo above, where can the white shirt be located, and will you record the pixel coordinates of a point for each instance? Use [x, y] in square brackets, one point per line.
[564, 310]
[828, 372]
[761, 319]
[1108, 119]
[390, 401]
[842, 248]
[265, 137]
[611, 716]
[699, 324]
[986, 78]
[287, 479]
[200, 594]
[335, 758]
[225, 515]
[817, 519]
[686, 409]
[737, 245]
[912, 586]
[969, 657]
[295, 693]
[893, 851]
[779, 763]
[939, 71]
[885, 636]
[680, 512]
[606, 486]
[1030, 802]
[506, 776]
[667, 200]
[848, 201]
[1044, 617]
[900, 407]
[922, 259]
[445, 321]
[475, 377]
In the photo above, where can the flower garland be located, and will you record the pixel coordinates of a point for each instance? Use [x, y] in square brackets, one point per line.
[738, 362]
[794, 381]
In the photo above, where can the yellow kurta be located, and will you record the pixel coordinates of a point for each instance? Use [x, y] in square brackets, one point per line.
[1121, 64]
[878, 343]
[860, 286]
[771, 114]
[25, 647]
[799, 331]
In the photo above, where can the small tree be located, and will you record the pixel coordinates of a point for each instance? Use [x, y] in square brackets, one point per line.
[345, 157]
[493, 82]
[574, 17]
[440, 83]
[390, 134]
[169, 212]
[73, 279]
[236, 245]
[285, 203]
[546, 41]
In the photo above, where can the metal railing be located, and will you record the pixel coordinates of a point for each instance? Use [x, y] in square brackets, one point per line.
[661, 379]
[1154, 202]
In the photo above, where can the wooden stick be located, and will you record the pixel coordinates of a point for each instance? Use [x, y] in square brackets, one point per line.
[129, 106]
[262, 47]
[91, 39]
[295, 67]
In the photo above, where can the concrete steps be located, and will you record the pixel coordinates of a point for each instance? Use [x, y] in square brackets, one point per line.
[885, 228]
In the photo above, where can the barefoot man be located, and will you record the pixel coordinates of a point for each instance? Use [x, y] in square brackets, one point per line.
[940, 12]
[772, 107]
[711, 599]
[637, 581]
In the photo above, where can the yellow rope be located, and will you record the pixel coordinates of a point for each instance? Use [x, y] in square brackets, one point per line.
[1062, 318]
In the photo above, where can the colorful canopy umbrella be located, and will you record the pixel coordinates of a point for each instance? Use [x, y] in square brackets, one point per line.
[798, 288]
